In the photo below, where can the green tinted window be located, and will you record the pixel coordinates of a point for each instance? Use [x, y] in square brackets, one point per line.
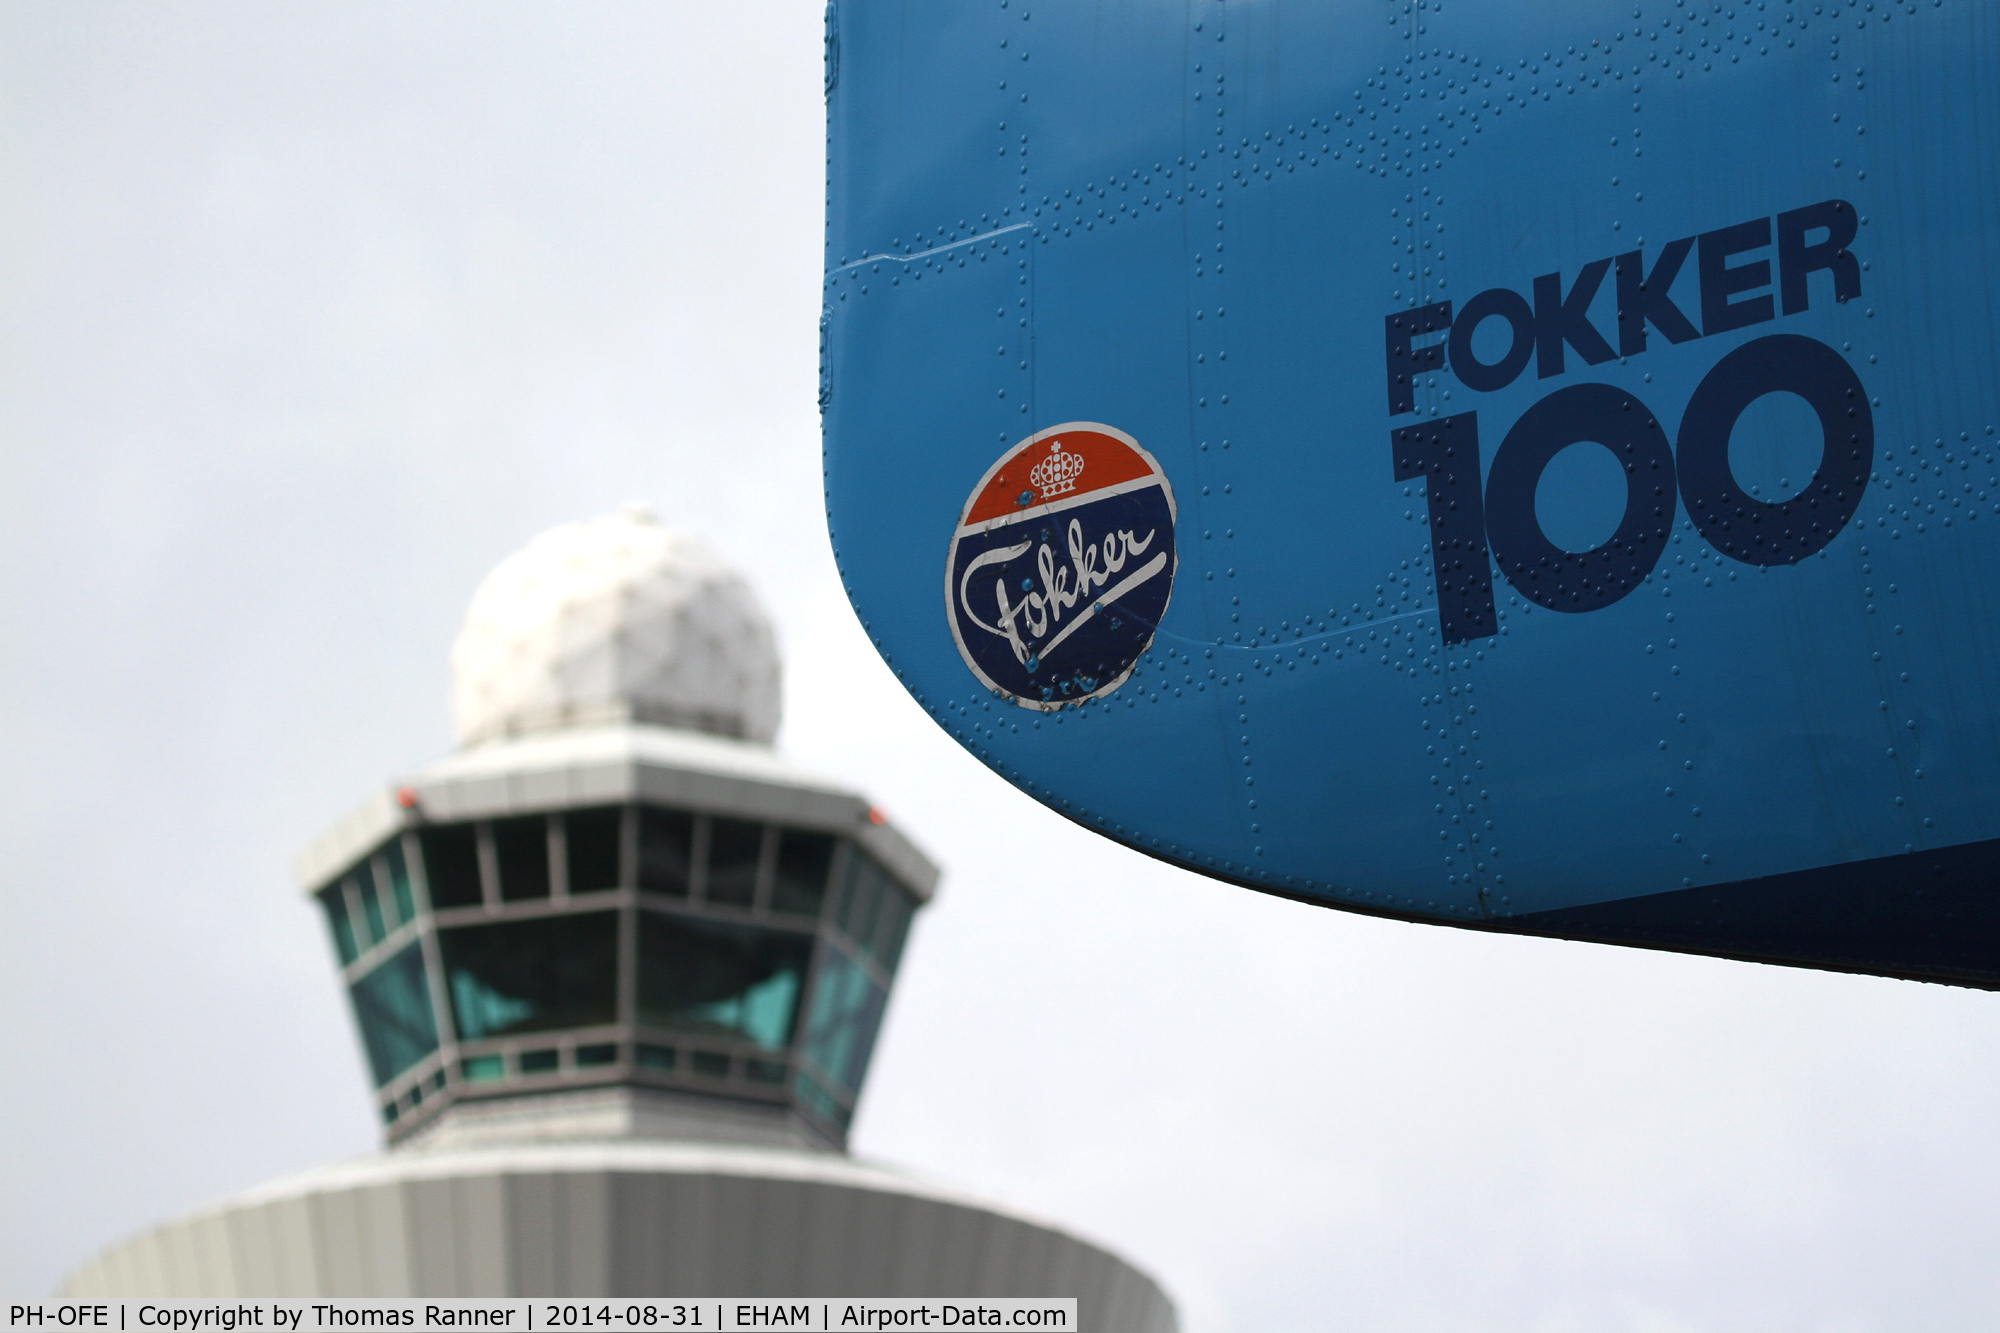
[803, 862]
[393, 1004]
[592, 839]
[604, 1053]
[666, 851]
[521, 847]
[873, 910]
[451, 864]
[733, 849]
[334, 900]
[654, 1057]
[846, 1011]
[892, 924]
[399, 880]
[483, 1068]
[539, 1062]
[733, 981]
[861, 894]
[363, 880]
[844, 891]
[531, 976]
[819, 1101]
[372, 873]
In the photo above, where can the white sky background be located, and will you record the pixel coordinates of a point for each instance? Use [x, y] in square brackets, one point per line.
[310, 314]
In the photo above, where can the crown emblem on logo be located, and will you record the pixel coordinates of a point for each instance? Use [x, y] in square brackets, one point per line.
[1056, 474]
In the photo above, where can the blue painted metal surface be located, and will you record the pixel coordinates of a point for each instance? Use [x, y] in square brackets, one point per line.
[1575, 426]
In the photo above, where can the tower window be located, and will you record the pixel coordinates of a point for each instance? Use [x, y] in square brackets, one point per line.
[734, 848]
[803, 862]
[816, 1099]
[532, 976]
[334, 900]
[393, 1004]
[399, 880]
[521, 849]
[721, 980]
[846, 1011]
[861, 890]
[872, 910]
[483, 1068]
[592, 840]
[666, 851]
[892, 927]
[451, 864]
[371, 906]
[597, 1053]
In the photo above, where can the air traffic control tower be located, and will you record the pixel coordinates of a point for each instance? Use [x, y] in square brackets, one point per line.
[617, 968]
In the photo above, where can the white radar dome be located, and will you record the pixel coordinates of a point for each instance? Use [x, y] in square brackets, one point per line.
[615, 619]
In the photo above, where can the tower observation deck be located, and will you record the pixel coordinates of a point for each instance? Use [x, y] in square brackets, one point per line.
[617, 887]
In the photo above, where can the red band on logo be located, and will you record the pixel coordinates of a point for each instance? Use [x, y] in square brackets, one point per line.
[1059, 468]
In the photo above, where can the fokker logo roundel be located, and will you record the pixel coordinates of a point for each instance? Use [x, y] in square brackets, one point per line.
[1062, 565]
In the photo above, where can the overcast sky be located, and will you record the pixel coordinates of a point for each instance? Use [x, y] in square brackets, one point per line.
[311, 313]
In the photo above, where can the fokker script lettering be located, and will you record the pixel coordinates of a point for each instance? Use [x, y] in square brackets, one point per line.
[1091, 565]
